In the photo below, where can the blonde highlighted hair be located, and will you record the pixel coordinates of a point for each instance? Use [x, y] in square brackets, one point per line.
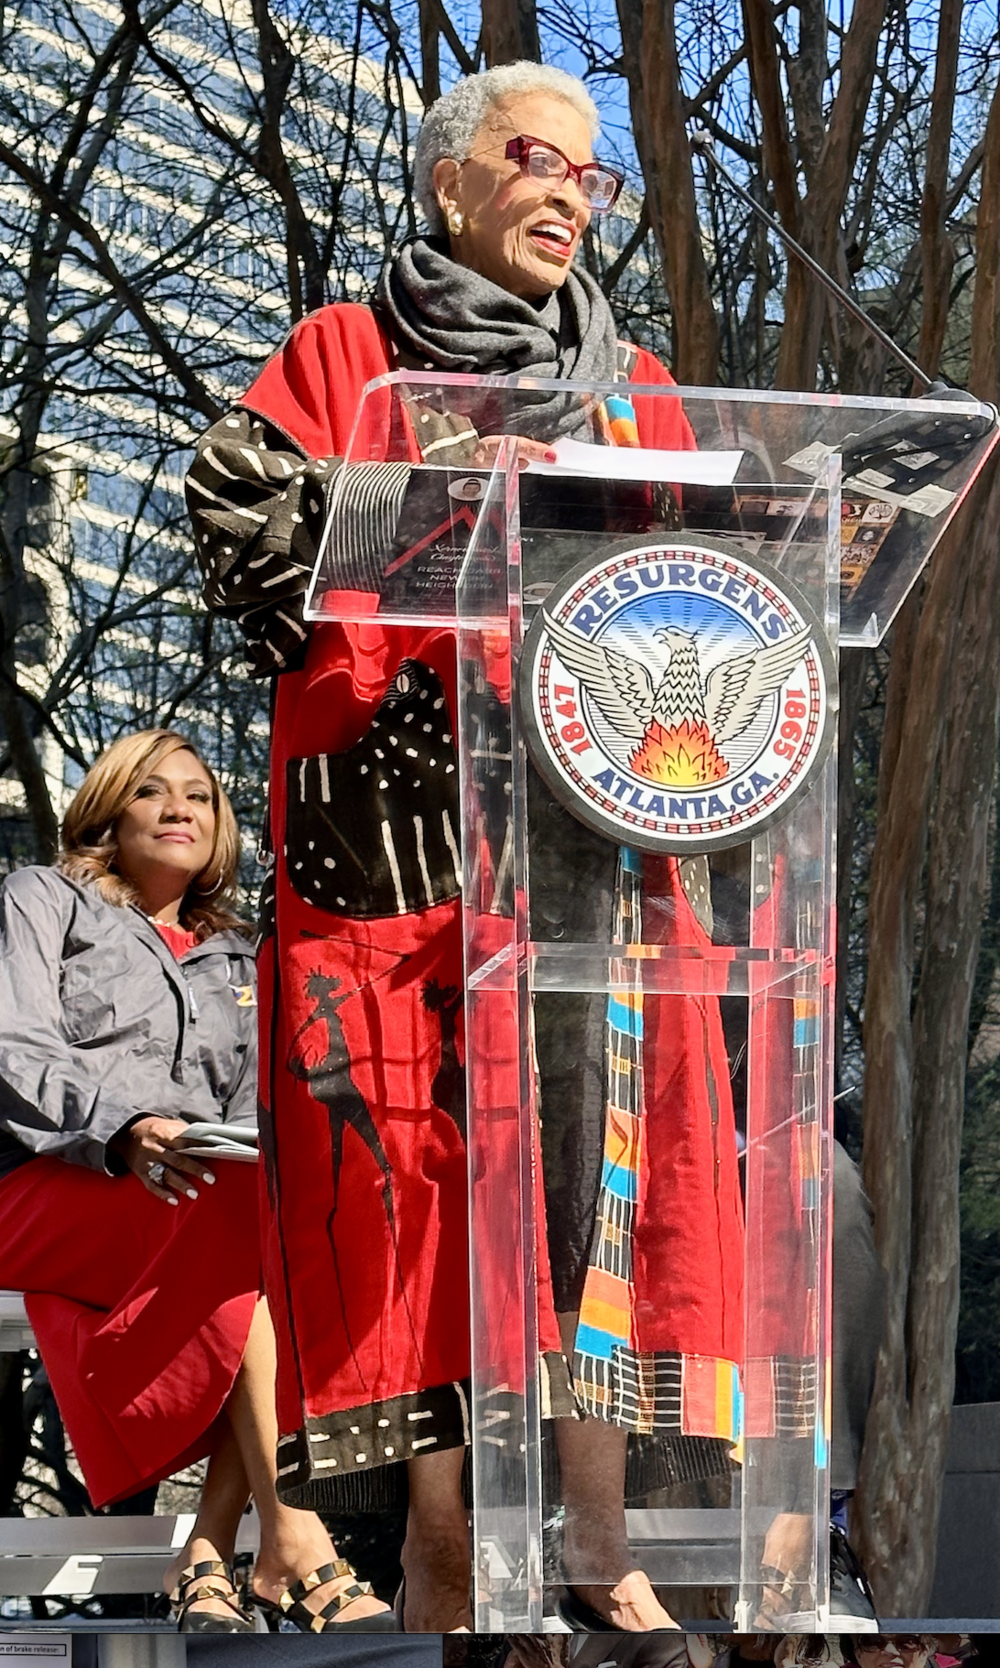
[89, 847]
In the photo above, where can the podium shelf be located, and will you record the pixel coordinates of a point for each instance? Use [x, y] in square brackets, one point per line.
[655, 970]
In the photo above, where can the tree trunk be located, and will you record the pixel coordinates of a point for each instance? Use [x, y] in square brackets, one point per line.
[15, 530]
[937, 798]
[814, 221]
[15, 712]
[650, 55]
[937, 254]
[510, 32]
[915, 1070]
[430, 52]
[854, 667]
[306, 277]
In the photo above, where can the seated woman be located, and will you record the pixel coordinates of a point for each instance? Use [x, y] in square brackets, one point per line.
[361, 959]
[127, 1012]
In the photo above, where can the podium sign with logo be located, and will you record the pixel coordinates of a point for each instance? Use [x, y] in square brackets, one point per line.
[627, 729]
[647, 701]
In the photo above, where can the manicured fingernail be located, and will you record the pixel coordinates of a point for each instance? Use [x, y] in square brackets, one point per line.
[171, 1200]
[192, 1192]
[551, 457]
[210, 1179]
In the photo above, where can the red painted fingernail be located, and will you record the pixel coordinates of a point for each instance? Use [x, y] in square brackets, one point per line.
[551, 457]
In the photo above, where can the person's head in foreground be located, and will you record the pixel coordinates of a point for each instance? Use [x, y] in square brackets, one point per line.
[599, 1650]
[151, 826]
[807, 1650]
[790, 1650]
[505, 1650]
[896, 1650]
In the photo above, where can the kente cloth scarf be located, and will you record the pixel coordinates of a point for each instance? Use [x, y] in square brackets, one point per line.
[444, 313]
[617, 1377]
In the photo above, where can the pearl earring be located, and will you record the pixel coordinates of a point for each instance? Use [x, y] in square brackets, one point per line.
[454, 222]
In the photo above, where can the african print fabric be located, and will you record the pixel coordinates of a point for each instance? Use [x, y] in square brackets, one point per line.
[639, 1390]
[615, 1380]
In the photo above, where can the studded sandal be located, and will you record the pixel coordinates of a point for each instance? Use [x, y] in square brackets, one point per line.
[781, 1590]
[290, 1606]
[209, 1580]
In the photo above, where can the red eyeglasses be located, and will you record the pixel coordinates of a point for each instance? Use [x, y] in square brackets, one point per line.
[538, 160]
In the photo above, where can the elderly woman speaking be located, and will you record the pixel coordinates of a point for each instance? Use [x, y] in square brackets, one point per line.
[366, 1253]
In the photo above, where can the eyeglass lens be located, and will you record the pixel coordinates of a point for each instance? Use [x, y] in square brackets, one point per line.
[597, 186]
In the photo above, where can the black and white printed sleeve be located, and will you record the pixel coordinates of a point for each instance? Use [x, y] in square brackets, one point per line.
[257, 506]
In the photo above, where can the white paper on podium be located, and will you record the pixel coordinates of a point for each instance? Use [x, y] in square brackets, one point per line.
[634, 463]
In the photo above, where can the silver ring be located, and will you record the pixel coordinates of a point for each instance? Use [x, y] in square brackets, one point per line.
[156, 1172]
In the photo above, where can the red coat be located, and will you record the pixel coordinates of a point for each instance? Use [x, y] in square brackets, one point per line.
[362, 1046]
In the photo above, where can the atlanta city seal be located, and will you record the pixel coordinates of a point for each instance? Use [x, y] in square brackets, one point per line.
[676, 698]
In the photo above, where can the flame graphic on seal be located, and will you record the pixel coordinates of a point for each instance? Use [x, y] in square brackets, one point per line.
[683, 756]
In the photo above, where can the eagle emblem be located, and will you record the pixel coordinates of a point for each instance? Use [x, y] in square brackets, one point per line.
[681, 722]
[675, 696]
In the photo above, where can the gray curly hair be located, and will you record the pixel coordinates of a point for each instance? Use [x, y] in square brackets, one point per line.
[451, 124]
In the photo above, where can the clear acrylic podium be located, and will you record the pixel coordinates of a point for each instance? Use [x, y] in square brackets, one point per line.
[713, 1462]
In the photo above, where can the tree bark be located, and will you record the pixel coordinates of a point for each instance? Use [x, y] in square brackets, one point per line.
[854, 667]
[937, 797]
[510, 32]
[649, 48]
[937, 253]
[806, 79]
[779, 161]
[306, 277]
[430, 52]
[813, 220]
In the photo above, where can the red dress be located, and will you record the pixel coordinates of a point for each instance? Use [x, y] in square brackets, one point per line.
[141, 1309]
[365, 1227]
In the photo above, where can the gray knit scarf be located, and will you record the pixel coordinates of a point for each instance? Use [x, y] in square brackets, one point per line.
[442, 312]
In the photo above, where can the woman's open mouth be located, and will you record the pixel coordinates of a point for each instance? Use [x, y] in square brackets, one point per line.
[554, 237]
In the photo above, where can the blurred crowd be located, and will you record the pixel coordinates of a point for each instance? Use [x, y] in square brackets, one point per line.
[698, 1650]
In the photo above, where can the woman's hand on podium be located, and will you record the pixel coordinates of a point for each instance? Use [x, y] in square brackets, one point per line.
[528, 451]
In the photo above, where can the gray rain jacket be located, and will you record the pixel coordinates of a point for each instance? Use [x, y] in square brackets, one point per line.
[99, 1024]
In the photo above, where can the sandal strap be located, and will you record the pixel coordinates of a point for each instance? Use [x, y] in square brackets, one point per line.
[340, 1601]
[317, 1621]
[783, 1581]
[316, 1578]
[198, 1572]
[201, 1581]
[193, 1594]
[208, 1566]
